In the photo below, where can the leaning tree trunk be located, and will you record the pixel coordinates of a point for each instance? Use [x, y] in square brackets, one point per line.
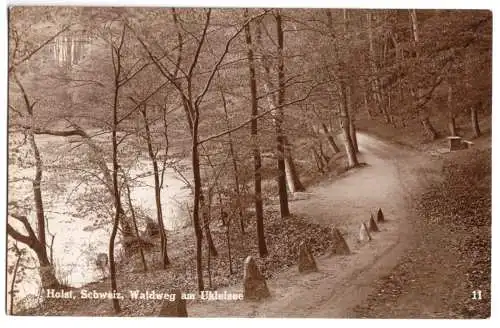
[330, 139]
[345, 126]
[292, 176]
[319, 161]
[323, 156]
[352, 126]
[429, 129]
[353, 133]
[259, 212]
[474, 122]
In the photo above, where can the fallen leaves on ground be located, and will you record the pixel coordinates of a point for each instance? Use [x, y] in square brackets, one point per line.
[452, 257]
[283, 236]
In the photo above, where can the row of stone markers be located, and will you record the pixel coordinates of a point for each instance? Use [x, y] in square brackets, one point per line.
[254, 284]
[307, 262]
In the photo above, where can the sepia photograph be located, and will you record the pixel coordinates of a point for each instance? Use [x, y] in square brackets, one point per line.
[274, 162]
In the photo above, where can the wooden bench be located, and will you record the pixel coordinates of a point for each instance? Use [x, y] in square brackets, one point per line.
[467, 144]
[455, 143]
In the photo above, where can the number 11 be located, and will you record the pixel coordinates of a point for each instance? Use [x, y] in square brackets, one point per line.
[476, 295]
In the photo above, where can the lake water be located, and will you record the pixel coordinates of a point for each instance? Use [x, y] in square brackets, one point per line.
[77, 242]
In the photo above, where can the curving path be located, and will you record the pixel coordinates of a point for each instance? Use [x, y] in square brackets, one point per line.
[393, 176]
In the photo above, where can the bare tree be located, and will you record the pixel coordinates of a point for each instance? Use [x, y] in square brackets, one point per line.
[153, 156]
[254, 131]
[191, 104]
[36, 241]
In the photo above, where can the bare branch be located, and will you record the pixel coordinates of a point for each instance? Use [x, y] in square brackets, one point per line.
[200, 45]
[248, 121]
[19, 236]
[29, 106]
[221, 58]
[24, 220]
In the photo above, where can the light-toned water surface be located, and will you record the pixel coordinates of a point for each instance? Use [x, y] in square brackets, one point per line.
[77, 240]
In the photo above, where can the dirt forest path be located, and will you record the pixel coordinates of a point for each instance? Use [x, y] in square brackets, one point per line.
[391, 179]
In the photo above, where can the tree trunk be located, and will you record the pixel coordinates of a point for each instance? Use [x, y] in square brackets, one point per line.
[156, 175]
[116, 220]
[451, 115]
[195, 161]
[330, 139]
[352, 126]
[37, 242]
[48, 277]
[426, 123]
[319, 161]
[159, 216]
[259, 212]
[209, 262]
[37, 192]
[100, 162]
[292, 176]
[414, 25]
[12, 293]
[282, 185]
[134, 222]
[235, 166]
[367, 108]
[278, 116]
[279, 119]
[399, 92]
[206, 216]
[374, 70]
[353, 133]
[228, 241]
[323, 156]
[46, 269]
[429, 129]
[116, 189]
[474, 122]
[345, 126]
[452, 125]
[292, 179]
[390, 112]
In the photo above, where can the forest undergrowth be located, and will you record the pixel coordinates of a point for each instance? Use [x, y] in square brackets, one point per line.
[282, 235]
